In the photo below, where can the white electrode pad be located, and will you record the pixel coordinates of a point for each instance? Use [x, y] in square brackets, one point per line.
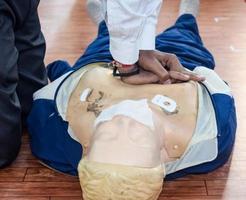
[166, 103]
[85, 94]
[135, 109]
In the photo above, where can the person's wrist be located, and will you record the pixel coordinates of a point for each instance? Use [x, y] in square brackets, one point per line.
[123, 70]
[124, 67]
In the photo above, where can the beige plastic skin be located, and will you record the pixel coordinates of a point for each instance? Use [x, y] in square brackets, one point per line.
[122, 158]
[134, 145]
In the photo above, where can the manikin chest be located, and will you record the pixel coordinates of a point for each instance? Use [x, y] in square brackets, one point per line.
[107, 90]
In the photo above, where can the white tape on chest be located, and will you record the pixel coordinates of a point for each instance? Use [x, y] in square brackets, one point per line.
[85, 94]
[135, 109]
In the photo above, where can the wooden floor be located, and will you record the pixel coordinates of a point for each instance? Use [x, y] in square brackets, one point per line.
[68, 30]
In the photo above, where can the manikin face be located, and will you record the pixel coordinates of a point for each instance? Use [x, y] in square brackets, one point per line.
[123, 161]
[126, 139]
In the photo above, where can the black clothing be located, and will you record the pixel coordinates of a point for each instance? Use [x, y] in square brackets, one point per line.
[22, 71]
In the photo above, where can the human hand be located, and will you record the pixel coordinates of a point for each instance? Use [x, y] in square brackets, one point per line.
[143, 77]
[159, 67]
[146, 77]
[165, 66]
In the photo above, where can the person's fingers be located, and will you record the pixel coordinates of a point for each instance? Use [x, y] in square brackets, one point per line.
[179, 76]
[170, 62]
[163, 64]
[175, 81]
[142, 78]
[136, 80]
[193, 76]
[155, 67]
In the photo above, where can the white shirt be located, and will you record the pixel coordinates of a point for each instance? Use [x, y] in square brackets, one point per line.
[132, 27]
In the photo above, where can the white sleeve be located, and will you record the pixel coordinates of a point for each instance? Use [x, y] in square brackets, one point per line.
[132, 26]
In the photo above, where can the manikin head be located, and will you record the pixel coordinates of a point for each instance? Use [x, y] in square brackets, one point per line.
[123, 161]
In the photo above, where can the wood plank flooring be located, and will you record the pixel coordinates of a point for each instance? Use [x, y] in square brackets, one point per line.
[68, 31]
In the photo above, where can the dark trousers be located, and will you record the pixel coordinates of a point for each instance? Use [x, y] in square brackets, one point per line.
[22, 71]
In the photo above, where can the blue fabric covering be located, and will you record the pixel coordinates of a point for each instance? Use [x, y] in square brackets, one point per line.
[57, 69]
[50, 141]
[184, 41]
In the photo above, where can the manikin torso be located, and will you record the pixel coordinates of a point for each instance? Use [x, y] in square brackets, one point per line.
[174, 131]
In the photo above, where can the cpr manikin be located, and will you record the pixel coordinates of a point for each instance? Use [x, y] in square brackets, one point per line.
[121, 139]
[121, 147]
